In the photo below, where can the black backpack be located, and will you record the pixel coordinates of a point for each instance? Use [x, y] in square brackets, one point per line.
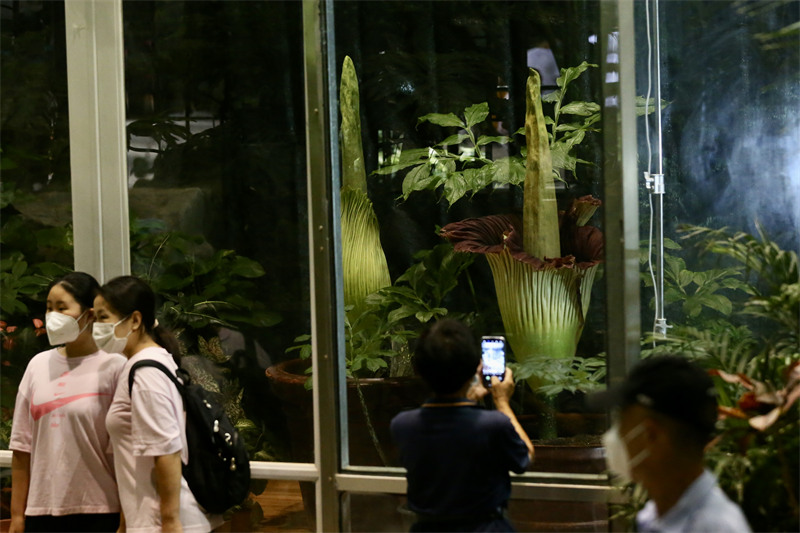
[218, 471]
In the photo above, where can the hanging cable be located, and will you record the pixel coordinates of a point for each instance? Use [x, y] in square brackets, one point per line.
[654, 181]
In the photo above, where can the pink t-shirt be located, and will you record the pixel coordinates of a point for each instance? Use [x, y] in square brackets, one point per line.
[150, 424]
[59, 418]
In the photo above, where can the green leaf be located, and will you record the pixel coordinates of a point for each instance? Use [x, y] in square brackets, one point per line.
[484, 139]
[247, 268]
[418, 179]
[455, 187]
[447, 120]
[580, 108]
[568, 75]
[475, 114]
[454, 140]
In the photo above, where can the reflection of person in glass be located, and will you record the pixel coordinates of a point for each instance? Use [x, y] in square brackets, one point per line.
[458, 455]
[667, 410]
[146, 423]
[62, 471]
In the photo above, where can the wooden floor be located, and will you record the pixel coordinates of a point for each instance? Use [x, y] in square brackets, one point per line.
[282, 507]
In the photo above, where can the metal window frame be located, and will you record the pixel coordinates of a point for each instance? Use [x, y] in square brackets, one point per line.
[98, 159]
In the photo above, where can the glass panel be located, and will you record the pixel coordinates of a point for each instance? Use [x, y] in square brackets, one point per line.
[423, 172]
[731, 223]
[218, 193]
[389, 512]
[36, 199]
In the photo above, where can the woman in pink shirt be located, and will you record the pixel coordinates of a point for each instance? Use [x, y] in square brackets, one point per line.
[62, 471]
[146, 423]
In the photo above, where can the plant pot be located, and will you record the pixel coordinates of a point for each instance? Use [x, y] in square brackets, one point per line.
[383, 397]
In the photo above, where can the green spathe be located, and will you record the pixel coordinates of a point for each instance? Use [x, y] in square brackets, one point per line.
[540, 211]
[363, 262]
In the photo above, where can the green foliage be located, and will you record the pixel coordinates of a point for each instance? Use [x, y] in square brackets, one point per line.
[200, 287]
[393, 316]
[557, 375]
[742, 322]
[696, 291]
[470, 170]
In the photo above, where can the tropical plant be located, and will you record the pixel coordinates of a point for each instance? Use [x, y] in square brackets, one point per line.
[393, 316]
[744, 313]
[201, 289]
[543, 264]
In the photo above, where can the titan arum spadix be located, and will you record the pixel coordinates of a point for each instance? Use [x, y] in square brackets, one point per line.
[543, 265]
[363, 261]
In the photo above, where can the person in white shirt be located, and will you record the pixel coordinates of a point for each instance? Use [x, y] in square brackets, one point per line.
[146, 424]
[666, 414]
[62, 471]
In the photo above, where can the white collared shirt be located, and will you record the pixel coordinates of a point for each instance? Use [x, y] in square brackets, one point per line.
[703, 507]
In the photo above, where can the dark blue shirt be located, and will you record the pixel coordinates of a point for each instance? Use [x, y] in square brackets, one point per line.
[458, 458]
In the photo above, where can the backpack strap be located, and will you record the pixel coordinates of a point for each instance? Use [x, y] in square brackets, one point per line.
[161, 367]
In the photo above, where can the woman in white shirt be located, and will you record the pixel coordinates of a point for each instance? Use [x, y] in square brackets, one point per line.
[62, 471]
[146, 424]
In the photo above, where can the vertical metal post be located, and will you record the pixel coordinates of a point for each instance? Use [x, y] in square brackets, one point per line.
[323, 213]
[98, 159]
[620, 187]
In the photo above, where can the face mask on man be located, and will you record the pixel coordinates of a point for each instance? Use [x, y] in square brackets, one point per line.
[62, 328]
[106, 340]
[617, 453]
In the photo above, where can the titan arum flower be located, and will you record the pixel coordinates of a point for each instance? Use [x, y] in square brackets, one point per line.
[543, 265]
[363, 260]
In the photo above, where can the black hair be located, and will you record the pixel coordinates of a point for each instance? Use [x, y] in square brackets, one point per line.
[126, 294]
[447, 356]
[82, 286]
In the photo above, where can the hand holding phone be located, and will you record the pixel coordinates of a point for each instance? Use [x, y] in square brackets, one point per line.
[493, 353]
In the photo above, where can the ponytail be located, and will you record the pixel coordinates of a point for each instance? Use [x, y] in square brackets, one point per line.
[167, 340]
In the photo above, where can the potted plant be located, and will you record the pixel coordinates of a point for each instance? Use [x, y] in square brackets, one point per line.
[543, 263]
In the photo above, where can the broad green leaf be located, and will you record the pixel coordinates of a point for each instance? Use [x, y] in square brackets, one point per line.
[418, 179]
[447, 120]
[719, 303]
[454, 140]
[568, 75]
[475, 114]
[248, 268]
[580, 108]
[392, 169]
[550, 98]
[455, 188]
[559, 152]
[484, 140]
[685, 278]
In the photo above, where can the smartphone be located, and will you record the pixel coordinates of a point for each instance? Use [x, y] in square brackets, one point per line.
[493, 350]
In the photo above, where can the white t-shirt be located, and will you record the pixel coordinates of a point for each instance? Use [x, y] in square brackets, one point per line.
[151, 424]
[59, 418]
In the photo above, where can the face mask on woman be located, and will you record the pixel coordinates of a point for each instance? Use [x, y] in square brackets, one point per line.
[617, 453]
[62, 328]
[106, 340]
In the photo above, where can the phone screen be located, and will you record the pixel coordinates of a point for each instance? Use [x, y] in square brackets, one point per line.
[494, 357]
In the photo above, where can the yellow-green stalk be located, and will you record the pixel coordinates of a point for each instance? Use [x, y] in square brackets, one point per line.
[363, 261]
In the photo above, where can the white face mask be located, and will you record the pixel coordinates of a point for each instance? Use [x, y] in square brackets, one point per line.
[62, 328]
[617, 453]
[106, 340]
